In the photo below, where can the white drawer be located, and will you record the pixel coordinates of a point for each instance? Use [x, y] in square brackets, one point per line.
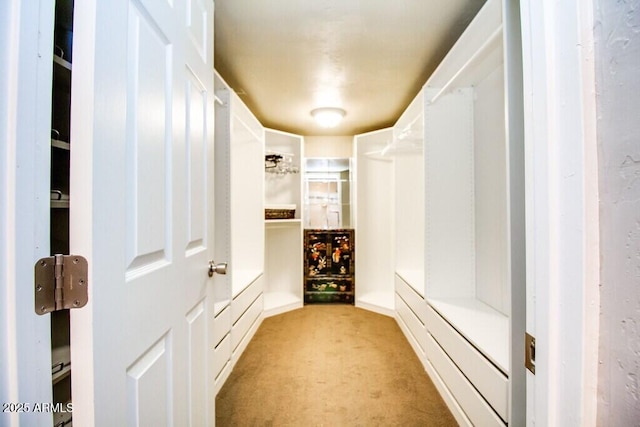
[242, 326]
[414, 300]
[221, 355]
[242, 301]
[221, 325]
[474, 406]
[486, 378]
[415, 326]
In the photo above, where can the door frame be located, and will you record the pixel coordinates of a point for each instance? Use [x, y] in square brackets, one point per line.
[26, 55]
[561, 193]
[562, 210]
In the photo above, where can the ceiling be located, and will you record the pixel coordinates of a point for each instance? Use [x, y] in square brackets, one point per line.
[369, 57]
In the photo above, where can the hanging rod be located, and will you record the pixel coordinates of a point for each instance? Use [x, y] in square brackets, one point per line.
[281, 153]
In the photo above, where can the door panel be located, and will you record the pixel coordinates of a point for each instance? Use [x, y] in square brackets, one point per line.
[196, 150]
[149, 139]
[144, 167]
[197, 360]
[148, 385]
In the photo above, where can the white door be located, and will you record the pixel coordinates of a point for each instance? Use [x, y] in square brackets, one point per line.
[141, 184]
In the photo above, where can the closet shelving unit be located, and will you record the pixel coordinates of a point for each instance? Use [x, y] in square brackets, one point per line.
[407, 151]
[460, 248]
[374, 219]
[240, 181]
[239, 228]
[60, 200]
[283, 237]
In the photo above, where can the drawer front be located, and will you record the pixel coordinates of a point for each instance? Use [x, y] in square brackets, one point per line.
[329, 290]
[241, 303]
[486, 378]
[242, 326]
[415, 301]
[474, 406]
[221, 355]
[412, 322]
[221, 325]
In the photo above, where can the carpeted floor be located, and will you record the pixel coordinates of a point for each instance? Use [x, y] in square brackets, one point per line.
[330, 365]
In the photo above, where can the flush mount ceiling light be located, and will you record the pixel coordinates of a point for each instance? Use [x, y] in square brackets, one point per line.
[328, 117]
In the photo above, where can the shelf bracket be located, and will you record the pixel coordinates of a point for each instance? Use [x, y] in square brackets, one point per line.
[61, 282]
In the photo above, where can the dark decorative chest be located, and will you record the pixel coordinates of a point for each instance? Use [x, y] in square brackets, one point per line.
[329, 266]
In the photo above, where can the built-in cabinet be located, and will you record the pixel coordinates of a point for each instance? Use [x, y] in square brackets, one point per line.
[457, 184]
[239, 228]
[284, 169]
[474, 257]
[407, 150]
[374, 221]
[60, 199]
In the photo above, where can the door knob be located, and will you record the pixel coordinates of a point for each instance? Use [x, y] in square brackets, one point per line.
[220, 268]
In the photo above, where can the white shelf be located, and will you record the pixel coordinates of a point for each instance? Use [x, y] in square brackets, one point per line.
[280, 302]
[282, 222]
[374, 222]
[64, 418]
[59, 204]
[382, 302]
[409, 194]
[60, 363]
[485, 328]
[62, 62]
[61, 72]
[283, 237]
[60, 144]
[284, 190]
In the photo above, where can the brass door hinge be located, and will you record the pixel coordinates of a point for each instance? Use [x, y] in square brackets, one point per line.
[61, 282]
[530, 352]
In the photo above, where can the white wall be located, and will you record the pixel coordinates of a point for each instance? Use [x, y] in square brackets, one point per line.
[617, 43]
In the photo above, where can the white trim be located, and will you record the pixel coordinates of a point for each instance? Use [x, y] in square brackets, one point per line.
[26, 45]
[562, 208]
[591, 301]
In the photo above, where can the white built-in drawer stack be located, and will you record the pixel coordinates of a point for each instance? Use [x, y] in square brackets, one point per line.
[222, 347]
[411, 315]
[246, 310]
[481, 389]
